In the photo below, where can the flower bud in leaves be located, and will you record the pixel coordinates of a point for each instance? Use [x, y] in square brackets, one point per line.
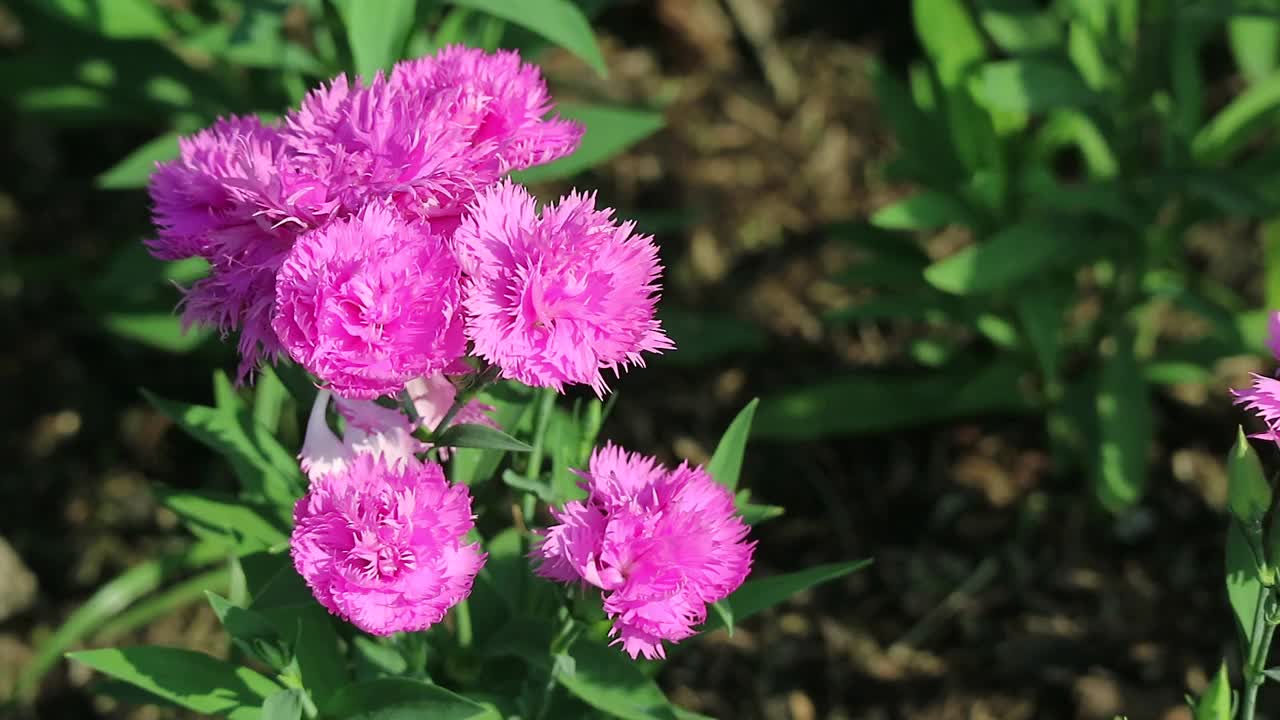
[1249, 493]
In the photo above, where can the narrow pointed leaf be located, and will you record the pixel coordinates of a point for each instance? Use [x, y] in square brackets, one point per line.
[609, 131]
[726, 463]
[193, 680]
[469, 435]
[606, 679]
[559, 21]
[1215, 703]
[757, 595]
[1243, 583]
[376, 31]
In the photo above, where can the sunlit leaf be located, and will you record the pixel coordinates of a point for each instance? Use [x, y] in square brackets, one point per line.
[559, 21]
[193, 680]
[609, 131]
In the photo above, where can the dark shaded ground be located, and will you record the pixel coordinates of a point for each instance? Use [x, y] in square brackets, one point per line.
[998, 592]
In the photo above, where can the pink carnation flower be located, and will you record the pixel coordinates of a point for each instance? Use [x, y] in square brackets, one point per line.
[383, 547]
[1263, 398]
[555, 298]
[513, 102]
[661, 544]
[430, 135]
[227, 199]
[369, 303]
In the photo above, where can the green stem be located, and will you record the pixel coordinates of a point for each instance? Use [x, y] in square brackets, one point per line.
[1259, 648]
[309, 706]
[545, 407]
[463, 614]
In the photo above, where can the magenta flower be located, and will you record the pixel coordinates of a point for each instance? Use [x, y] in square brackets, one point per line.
[555, 298]
[369, 303]
[661, 544]
[511, 106]
[430, 135]
[1263, 398]
[227, 199]
[383, 547]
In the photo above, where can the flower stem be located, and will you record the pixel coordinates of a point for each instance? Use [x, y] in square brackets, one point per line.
[1256, 661]
[546, 404]
[464, 624]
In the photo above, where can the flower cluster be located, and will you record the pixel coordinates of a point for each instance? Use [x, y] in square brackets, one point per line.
[661, 544]
[334, 237]
[372, 238]
[1263, 396]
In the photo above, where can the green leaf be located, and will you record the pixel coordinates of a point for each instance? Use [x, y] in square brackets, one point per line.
[724, 612]
[268, 473]
[707, 336]
[1019, 29]
[1032, 85]
[1215, 703]
[1124, 430]
[1017, 253]
[239, 524]
[1269, 239]
[376, 31]
[1233, 126]
[753, 514]
[609, 131]
[472, 435]
[281, 596]
[1244, 584]
[949, 36]
[470, 466]
[1040, 311]
[762, 594]
[925, 152]
[726, 462]
[252, 631]
[1255, 44]
[926, 210]
[1085, 50]
[840, 405]
[193, 680]
[269, 394]
[161, 330]
[1074, 128]
[135, 169]
[110, 601]
[1248, 492]
[608, 680]
[402, 699]
[559, 21]
[284, 705]
[121, 19]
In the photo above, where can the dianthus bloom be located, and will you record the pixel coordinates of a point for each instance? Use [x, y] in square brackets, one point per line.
[383, 546]
[553, 299]
[1263, 397]
[430, 134]
[369, 303]
[661, 544]
[227, 199]
[422, 140]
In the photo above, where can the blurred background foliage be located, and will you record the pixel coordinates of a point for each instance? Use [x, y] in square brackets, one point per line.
[990, 265]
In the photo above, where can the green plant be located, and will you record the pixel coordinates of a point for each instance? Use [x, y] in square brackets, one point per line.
[1061, 155]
